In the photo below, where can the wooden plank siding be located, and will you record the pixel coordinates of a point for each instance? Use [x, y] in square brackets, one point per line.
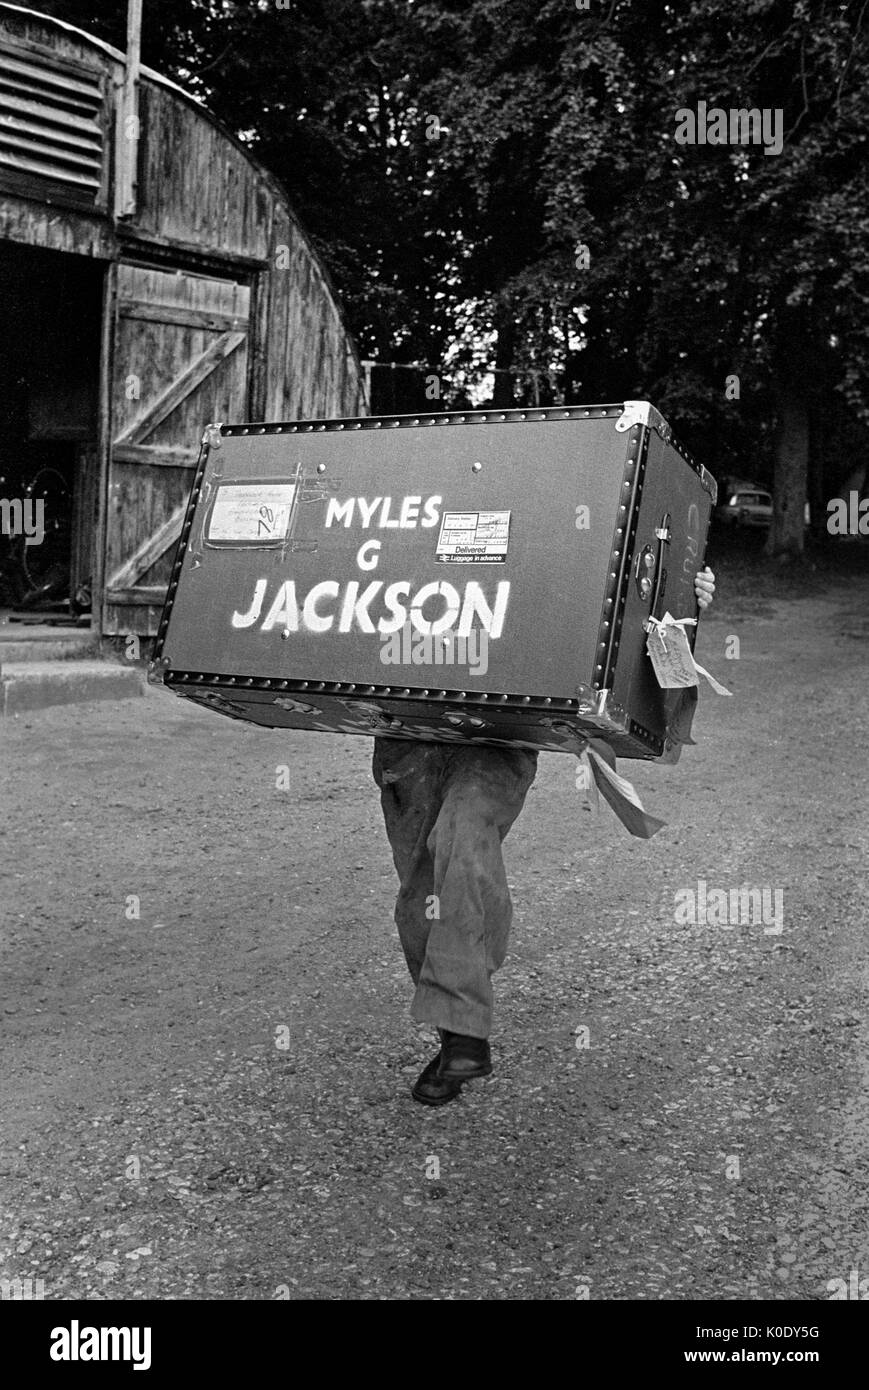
[33, 223]
[218, 304]
[180, 360]
[202, 194]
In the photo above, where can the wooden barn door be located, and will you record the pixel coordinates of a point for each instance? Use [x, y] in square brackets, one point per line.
[179, 361]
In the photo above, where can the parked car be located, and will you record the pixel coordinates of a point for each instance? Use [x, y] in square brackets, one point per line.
[748, 506]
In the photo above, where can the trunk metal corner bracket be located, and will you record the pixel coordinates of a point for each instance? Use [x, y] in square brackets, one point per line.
[211, 436]
[602, 708]
[709, 483]
[643, 413]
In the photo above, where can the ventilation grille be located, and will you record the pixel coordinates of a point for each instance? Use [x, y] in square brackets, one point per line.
[50, 124]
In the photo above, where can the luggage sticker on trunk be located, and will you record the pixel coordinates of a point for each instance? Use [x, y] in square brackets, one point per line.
[250, 513]
[473, 538]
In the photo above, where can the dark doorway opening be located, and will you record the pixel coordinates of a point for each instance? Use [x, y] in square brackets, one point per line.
[50, 314]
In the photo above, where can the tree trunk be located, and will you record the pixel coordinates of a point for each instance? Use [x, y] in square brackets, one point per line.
[786, 533]
[502, 394]
[816, 492]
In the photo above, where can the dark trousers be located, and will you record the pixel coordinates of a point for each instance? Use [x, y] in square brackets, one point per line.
[447, 809]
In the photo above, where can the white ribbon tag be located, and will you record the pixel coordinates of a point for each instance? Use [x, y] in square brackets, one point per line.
[618, 792]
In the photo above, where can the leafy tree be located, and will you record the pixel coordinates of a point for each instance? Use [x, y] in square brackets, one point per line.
[496, 187]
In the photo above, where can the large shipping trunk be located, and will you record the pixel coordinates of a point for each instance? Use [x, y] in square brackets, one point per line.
[484, 576]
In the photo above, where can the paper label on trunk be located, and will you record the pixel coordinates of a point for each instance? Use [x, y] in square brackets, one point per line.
[251, 513]
[473, 538]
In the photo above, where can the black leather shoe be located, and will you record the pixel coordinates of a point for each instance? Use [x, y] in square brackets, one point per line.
[463, 1057]
[432, 1089]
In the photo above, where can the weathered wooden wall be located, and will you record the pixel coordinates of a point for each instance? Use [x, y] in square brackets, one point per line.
[213, 238]
[202, 198]
[197, 188]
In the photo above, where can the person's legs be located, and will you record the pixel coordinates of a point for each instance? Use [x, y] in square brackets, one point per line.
[483, 791]
[409, 776]
[447, 809]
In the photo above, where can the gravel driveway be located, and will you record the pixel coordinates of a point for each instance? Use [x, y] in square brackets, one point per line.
[210, 1099]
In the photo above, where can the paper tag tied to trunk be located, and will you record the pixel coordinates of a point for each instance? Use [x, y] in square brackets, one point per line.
[668, 646]
[670, 652]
